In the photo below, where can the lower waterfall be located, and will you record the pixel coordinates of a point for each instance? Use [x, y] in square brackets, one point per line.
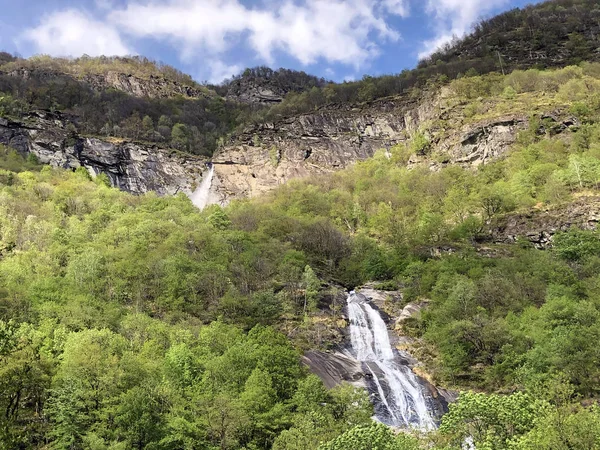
[200, 197]
[399, 399]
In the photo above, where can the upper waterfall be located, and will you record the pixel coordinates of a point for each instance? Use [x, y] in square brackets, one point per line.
[400, 400]
[200, 197]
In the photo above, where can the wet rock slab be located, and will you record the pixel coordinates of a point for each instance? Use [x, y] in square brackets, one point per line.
[334, 368]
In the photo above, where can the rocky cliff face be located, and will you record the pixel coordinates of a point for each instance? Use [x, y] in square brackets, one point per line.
[538, 226]
[264, 86]
[271, 154]
[267, 155]
[153, 87]
[132, 167]
[246, 91]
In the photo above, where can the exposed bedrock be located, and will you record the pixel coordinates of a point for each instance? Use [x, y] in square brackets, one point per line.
[539, 226]
[130, 166]
[267, 155]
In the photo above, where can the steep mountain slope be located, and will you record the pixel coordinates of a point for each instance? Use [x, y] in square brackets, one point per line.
[547, 34]
[468, 123]
[318, 127]
[134, 75]
[121, 97]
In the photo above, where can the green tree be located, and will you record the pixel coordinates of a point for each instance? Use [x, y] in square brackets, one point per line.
[147, 127]
[490, 420]
[140, 416]
[180, 137]
[312, 285]
[25, 374]
[86, 382]
[570, 428]
[371, 437]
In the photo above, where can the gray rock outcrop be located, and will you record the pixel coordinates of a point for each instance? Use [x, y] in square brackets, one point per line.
[334, 137]
[130, 166]
[538, 226]
[154, 86]
[334, 368]
[267, 155]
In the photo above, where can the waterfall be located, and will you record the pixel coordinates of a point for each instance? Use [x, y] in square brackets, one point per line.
[399, 398]
[201, 194]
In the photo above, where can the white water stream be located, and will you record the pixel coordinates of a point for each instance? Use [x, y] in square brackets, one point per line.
[401, 401]
[200, 197]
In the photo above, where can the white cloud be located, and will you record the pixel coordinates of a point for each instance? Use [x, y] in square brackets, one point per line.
[338, 31]
[72, 33]
[197, 25]
[220, 71]
[454, 18]
[347, 32]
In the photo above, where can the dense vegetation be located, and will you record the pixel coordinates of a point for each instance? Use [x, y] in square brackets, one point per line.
[547, 34]
[103, 302]
[139, 322]
[189, 124]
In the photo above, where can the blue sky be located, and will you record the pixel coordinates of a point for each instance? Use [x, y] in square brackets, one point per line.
[214, 39]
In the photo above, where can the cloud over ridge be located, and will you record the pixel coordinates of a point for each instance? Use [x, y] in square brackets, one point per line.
[72, 32]
[350, 33]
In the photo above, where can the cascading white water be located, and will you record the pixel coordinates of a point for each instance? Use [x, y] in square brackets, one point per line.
[200, 196]
[401, 399]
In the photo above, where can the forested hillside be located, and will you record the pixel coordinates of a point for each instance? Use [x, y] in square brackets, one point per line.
[142, 100]
[99, 105]
[140, 322]
[544, 35]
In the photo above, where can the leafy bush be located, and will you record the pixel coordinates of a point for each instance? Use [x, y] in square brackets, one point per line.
[576, 245]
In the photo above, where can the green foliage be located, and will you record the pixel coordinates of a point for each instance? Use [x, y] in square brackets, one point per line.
[9, 106]
[420, 144]
[574, 428]
[338, 411]
[170, 374]
[509, 93]
[312, 285]
[179, 137]
[519, 422]
[274, 156]
[11, 161]
[491, 421]
[371, 437]
[575, 245]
